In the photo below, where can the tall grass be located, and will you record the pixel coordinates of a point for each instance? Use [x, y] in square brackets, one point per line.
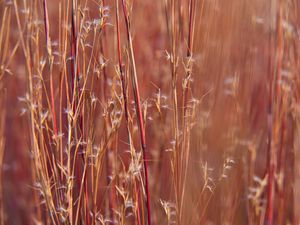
[149, 112]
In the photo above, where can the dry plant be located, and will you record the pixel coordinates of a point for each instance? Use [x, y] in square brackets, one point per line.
[149, 112]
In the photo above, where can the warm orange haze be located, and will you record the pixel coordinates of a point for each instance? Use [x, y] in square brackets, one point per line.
[161, 112]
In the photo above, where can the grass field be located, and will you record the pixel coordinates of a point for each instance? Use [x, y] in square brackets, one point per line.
[150, 112]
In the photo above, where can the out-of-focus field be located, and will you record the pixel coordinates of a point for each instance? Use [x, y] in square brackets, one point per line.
[235, 159]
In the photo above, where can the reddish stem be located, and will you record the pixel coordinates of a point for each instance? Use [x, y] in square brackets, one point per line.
[138, 109]
[48, 43]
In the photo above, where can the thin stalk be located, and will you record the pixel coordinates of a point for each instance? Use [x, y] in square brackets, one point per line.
[274, 114]
[125, 101]
[138, 109]
[30, 87]
[186, 87]
[174, 64]
[2, 147]
[50, 57]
